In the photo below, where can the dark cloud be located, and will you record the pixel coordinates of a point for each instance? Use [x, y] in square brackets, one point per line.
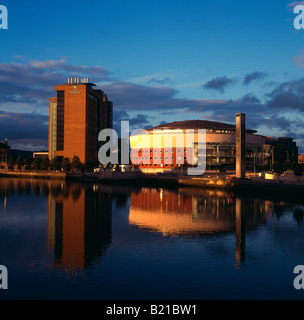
[135, 97]
[218, 84]
[288, 95]
[139, 121]
[29, 130]
[272, 122]
[98, 72]
[136, 122]
[33, 82]
[250, 77]
[259, 113]
[225, 110]
[129, 96]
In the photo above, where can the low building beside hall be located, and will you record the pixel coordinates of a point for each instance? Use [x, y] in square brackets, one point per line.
[284, 149]
[41, 154]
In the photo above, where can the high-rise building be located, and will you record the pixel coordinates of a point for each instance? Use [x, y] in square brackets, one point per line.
[76, 116]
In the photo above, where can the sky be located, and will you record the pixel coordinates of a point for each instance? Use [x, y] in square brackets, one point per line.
[158, 61]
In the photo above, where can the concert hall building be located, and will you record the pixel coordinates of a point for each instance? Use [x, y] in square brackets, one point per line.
[165, 147]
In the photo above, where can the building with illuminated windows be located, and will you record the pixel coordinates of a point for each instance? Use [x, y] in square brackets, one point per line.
[164, 147]
[76, 116]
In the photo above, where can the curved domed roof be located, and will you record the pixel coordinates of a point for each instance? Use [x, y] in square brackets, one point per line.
[199, 124]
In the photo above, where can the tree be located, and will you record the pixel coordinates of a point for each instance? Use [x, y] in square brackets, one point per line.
[91, 165]
[37, 163]
[28, 163]
[66, 164]
[20, 163]
[11, 162]
[76, 163]
[55, 163]
[45, 163]
[278, 168]
[286, 165]
[298, 168]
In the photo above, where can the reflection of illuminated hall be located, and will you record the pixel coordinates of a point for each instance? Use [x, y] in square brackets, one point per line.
[175, 213]
[78, 230]
[197, 213]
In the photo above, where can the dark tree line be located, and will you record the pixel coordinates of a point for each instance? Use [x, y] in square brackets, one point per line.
[56, 164]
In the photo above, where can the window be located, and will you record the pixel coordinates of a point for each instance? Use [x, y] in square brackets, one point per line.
[60, 120]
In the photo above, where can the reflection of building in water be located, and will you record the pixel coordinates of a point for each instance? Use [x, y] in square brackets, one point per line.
[180, 213]
[239, 232]
[197, 213]
[79, 224]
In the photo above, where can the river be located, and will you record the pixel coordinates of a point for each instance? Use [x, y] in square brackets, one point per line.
[61, 240]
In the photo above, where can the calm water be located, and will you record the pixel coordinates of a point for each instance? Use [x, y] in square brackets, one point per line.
[76, 241]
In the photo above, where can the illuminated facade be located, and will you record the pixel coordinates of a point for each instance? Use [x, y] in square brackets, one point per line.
[166, 147]
[76, 116]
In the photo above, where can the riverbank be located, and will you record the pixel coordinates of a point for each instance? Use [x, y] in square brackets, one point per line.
[226, 181]
[34, 174]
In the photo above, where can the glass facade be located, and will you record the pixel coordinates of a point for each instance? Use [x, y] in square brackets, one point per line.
[53, 125]
[60, 121]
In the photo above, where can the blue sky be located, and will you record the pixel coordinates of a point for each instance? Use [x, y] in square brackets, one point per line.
[158, 61]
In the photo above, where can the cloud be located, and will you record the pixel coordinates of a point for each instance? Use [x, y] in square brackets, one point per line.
[164, 78]
[98, 72]
[250, 77]
[294, 4]
[274, 121]
[33, 81]
[138, 121]
[145, 99]
[288, 95]
[130, 96]
[29, 130]
[299, 60]
[218, 84]
[27, 86]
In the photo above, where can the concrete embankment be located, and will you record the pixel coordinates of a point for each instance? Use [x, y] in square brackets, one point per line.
[225, 182]
[33, 174]
[247, 186]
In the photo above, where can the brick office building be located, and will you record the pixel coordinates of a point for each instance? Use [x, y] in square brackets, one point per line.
[76, 116]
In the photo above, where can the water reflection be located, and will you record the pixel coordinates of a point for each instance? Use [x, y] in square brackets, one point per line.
[80, 216]
[79, 221]
[204, 213]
